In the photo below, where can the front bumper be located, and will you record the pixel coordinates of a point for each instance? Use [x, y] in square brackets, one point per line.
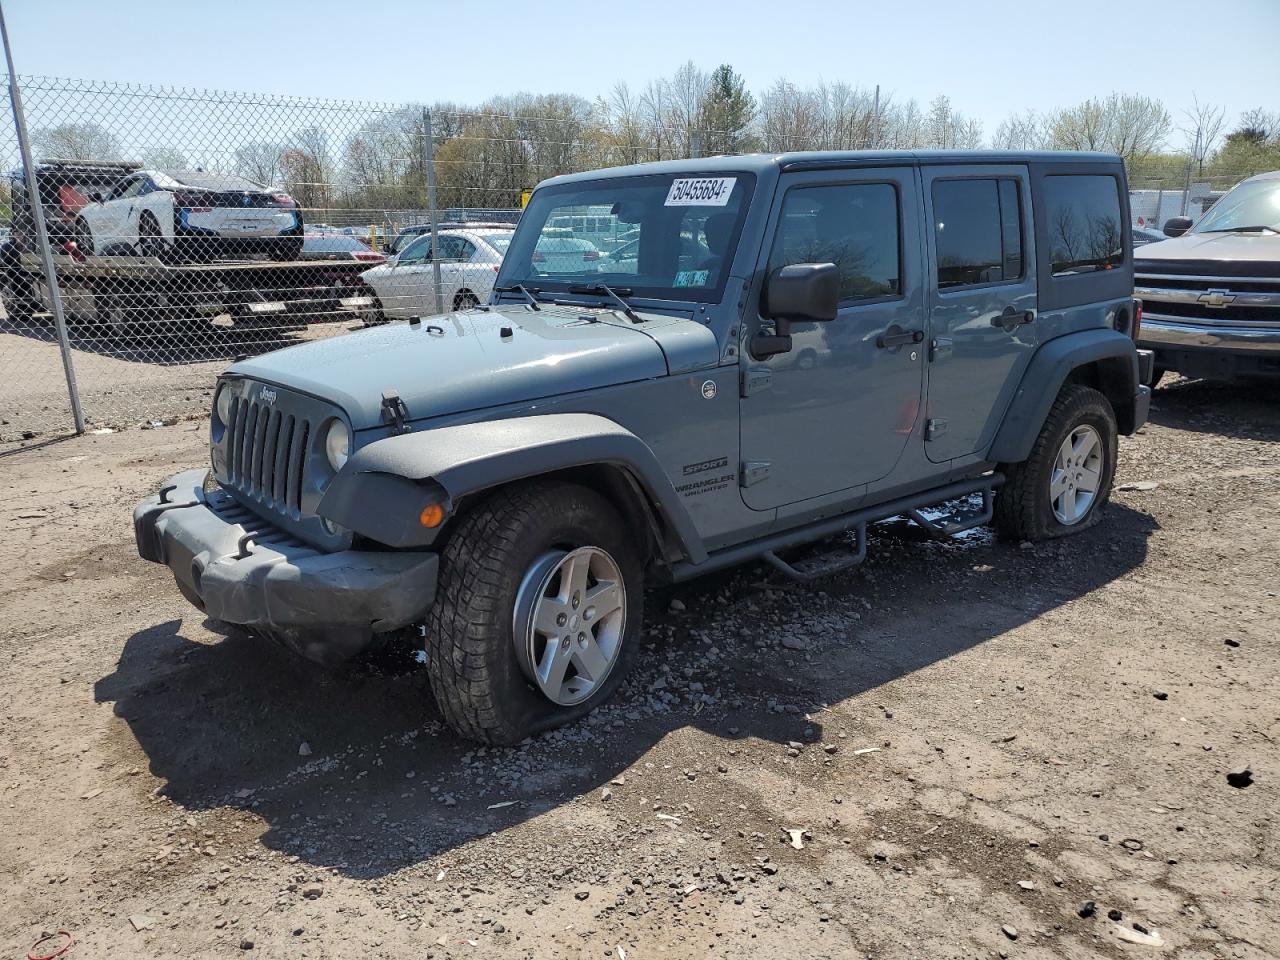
[326, 606]
[1205, 350]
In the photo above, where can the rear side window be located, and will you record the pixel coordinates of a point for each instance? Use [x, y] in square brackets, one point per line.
[977, 231]
[1083, 222]
[855, 226]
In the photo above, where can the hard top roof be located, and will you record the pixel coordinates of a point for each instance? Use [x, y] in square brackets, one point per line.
[757, 162]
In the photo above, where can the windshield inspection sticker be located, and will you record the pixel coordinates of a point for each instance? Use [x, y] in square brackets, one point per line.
[692, 278]
[700, 192]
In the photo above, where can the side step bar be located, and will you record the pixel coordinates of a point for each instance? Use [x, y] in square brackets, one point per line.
[769, 547]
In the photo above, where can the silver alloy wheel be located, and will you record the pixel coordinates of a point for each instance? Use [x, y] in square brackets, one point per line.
[570, 618]
[1077, 475]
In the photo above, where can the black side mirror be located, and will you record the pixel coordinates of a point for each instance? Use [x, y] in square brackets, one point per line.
[795, 294]
[1176, 226]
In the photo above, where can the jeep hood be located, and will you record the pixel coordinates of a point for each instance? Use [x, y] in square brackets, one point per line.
[462, 361]
[1212, 255]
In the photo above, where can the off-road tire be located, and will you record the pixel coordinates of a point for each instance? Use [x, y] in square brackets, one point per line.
[471, 658]
[1023, 510]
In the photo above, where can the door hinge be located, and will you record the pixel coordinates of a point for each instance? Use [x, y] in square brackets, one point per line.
[933, 429]
[753, 471]
[756, 380]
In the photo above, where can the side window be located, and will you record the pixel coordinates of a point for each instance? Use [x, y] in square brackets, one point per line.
[855, 226]
[415, 251]
[1083, 223]
[977, 231]
[454, 248]
[123, 188]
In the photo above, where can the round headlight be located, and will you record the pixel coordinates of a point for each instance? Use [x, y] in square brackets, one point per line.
[337, 444]
[222, 405]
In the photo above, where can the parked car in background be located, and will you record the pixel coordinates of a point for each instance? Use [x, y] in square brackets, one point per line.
[404, 286]
[65, 187]
[1211, 295]
[411, 233]
[325, 245]
[565, 254]
[190, 216]
[1144, 235]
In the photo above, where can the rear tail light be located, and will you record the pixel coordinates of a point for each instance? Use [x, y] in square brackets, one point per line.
[72, 249]
[495, 267]
[368, 255]
[1137, 320]
[591, 255]
[282, 200]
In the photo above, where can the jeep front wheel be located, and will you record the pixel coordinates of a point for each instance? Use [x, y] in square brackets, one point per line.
[1066, 482]
[537, 614]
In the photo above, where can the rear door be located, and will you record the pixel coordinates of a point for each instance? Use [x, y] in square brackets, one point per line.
[982, 301]
[837, 410]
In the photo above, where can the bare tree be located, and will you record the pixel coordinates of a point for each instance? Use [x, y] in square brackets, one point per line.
[75, 141]
[1203, 129]
[259, 161]
[1023, 131]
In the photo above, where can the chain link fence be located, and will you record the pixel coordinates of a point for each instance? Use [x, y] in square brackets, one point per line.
[188, 228]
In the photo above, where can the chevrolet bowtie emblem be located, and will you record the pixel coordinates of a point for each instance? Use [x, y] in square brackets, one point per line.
[1216, 298]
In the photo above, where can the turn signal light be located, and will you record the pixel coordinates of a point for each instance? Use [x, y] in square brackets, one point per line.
[432, 516]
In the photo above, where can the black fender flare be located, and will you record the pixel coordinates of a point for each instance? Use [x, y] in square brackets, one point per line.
[383, 488]
[1048, 371]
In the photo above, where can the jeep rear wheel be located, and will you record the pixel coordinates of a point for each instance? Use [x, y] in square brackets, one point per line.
[1066, 482]
[537, 616]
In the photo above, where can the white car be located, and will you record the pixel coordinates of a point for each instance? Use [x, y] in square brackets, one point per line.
[404, 286]
[190, 216]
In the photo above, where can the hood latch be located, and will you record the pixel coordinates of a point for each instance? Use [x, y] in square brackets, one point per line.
[394, 410]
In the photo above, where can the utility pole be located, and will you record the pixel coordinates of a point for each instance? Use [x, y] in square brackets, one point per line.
[429, 173]
[42, 230]
[875, 121]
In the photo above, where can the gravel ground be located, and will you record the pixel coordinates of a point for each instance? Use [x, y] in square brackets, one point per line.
[970, 749]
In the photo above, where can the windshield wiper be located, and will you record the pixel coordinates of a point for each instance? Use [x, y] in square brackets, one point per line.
[1261, 226]
[521, 289]
[614, 295]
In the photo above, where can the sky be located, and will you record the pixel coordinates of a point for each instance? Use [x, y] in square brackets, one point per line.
[992, 58]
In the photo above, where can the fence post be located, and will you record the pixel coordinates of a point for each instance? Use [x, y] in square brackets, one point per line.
[42, 232]
[695, 145]
[429, 171]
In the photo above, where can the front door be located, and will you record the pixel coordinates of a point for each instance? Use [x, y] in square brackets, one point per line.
[982, 301]
[837, 410]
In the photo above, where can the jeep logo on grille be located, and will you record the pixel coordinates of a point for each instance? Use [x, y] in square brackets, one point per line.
[1216, 298]
[267, 395]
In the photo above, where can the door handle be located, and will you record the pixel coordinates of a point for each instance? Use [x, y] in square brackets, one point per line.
[1011, 318]
[895, 336]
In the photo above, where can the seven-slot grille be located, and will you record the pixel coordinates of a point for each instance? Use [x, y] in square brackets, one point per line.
[267, 453]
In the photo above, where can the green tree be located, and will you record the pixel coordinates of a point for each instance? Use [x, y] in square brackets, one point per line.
[726, 113]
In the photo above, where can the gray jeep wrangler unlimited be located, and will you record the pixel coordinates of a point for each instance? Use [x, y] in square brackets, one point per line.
[772, 350]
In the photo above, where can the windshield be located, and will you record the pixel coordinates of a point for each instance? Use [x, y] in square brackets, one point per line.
[662, 237]
[1251, 204]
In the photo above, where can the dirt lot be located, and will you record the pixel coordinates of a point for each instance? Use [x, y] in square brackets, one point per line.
[972, 736]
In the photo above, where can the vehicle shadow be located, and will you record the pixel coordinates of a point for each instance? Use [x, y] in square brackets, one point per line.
[383, 784]
[178, 343]
[1246, 410]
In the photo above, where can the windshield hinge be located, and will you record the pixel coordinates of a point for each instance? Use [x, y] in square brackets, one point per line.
[393, 409]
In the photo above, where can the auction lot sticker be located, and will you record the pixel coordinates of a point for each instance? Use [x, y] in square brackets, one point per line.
[700, 192]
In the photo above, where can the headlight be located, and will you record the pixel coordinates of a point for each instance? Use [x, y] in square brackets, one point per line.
[222, 404]
[337, 444]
